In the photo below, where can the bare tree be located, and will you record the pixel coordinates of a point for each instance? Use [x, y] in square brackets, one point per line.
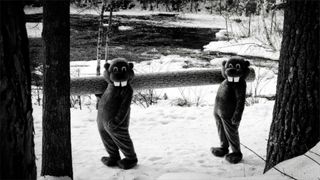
[17, 159]
[56, 140]
[295, 125]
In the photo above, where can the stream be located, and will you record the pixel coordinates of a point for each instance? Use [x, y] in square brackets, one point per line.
[137, 38]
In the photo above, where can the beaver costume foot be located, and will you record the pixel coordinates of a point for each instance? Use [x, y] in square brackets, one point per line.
[110, 161]
[127, 163]
[234, 157]
[219, 151]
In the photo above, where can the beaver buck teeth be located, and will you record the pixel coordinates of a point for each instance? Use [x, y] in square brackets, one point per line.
[233, 79]
[122, 84]
[116, 84]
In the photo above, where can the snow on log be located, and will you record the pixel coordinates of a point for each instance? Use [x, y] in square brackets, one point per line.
[97, 85]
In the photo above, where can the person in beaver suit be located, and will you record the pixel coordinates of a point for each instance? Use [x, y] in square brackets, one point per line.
[114, 115]
[229, 105]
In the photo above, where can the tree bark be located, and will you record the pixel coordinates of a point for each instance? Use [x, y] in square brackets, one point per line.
[17, 159]
[295, 125]
[56, 140]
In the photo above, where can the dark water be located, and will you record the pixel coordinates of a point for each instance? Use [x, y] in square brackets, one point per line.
[148, 37]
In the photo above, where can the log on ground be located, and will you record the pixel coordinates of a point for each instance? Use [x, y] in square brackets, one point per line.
[97, 85]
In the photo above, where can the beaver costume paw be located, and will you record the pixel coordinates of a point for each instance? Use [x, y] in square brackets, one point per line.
[219, 151]
[234, 157]
[127, 163]
[110, 161]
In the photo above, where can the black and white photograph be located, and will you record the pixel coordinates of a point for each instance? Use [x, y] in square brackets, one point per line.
[159, 90]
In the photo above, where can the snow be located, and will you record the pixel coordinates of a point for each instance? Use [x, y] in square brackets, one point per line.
[173, 143]
[243, 47]
[125, 28]
[34, 30]
[54, 178]
[168, 139]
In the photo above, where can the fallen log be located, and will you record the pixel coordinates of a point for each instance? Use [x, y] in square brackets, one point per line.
[97, 85]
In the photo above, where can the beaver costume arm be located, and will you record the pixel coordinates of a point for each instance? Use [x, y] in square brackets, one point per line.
[240, 92]
[124, 109]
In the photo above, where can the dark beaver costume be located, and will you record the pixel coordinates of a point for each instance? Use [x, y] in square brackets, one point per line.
[114, 114]
[229, 105]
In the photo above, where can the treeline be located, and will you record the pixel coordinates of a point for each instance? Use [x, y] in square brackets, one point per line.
[192, 6]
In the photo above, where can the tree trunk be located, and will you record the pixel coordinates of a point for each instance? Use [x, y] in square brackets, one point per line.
[17, 159]
[56, 140]
[295, 125]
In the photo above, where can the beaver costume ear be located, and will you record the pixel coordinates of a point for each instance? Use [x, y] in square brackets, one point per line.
[106, 66]
[223, 69]
[246, 63]
[130, 65]
[246, 69]
[106, 73]
[224, 63]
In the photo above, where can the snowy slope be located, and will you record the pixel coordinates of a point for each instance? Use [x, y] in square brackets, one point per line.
[173, 143]
[167, 139]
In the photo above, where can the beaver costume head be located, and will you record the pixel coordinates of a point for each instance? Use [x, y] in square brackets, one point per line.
[235, 68]
[118, 72]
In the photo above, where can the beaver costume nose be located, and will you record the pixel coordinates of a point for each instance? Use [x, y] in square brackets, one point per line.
[231, 72]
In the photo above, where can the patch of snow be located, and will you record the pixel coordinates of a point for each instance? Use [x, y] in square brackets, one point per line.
[223, 35]
[199, 176]
[243, 47]
[34, 30]
[200, 21]
[218, 61]
[54, 178]
[185, 176]
[125, 28]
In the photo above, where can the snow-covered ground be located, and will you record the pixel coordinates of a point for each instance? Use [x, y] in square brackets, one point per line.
[173, 142]
[168, 139]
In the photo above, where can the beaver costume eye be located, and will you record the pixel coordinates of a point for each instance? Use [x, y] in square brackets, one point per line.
[238, 66]
[115, 69]
[124, 69]
[230, 66]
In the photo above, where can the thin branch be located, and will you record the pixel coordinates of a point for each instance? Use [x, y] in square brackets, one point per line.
[267, 33]
[315, 153]
[312, 159]
[265, 161]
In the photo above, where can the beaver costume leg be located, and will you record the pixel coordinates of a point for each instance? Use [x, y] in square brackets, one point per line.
[122, 140]
[232, 134]
[110, 147]
[228, 135]
[224, 144]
